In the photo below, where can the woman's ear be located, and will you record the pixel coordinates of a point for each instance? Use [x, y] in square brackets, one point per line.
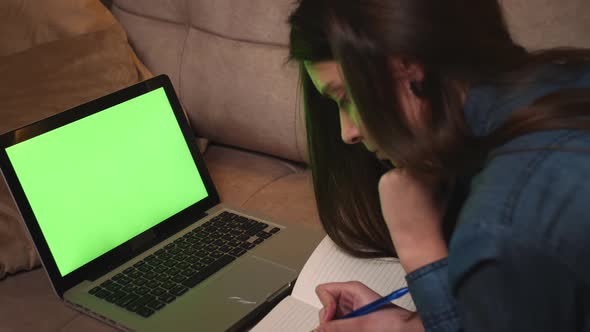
[409, 77]
[411, 73]
[417, 89]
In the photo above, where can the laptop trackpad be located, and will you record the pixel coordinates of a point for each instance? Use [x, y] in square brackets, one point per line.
[253, 279]
[227, 297]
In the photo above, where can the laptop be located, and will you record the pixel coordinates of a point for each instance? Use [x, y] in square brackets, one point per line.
[128, 223]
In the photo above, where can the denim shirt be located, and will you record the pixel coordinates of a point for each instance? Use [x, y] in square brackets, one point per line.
[519, 259]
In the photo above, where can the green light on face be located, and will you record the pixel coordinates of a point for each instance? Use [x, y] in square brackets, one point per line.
[95, 183]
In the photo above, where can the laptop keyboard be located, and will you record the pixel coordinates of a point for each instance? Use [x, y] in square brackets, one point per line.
[160, 278]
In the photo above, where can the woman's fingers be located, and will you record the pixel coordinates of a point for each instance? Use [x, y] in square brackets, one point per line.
[340, 298]
[329, 295]
[390, 319]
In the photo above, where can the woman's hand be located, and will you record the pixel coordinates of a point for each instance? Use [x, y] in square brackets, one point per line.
[340, 298]
[413, 216]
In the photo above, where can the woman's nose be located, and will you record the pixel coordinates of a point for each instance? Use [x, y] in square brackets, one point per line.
[349, 130]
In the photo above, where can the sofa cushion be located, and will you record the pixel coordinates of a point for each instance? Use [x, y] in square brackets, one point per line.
[43, 81]
[274, 188]
[262, 21]
[227, 61]
[540, 24]
[27, 303]
[290, 199]
[26, 23]
[238, 175]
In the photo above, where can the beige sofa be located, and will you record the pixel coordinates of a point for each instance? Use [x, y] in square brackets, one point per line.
[226, 59]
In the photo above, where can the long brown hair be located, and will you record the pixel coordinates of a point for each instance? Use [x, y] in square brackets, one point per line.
[458, 43]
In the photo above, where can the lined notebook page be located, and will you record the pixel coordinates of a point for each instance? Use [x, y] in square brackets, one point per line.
[328, 263]
[290, 315]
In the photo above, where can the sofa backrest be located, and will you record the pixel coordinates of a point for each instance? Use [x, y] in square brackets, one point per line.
[540, 24]
[226, 59]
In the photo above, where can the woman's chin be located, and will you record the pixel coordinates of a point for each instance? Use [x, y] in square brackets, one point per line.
[381, 156]
[386, 162]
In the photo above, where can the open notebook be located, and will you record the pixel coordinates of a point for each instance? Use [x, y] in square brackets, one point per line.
[328, 263]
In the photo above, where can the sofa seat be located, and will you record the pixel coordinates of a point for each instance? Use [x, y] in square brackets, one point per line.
[278, 189]
[270, 186]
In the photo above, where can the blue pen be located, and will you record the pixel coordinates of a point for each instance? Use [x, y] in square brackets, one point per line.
[373, 306]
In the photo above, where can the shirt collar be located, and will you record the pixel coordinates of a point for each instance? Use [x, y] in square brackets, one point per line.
[487, 106]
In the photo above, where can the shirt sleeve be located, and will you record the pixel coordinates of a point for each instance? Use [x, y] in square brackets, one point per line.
[431, 293]
[522, 291]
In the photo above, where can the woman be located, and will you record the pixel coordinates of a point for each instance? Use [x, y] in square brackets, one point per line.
[440, 90]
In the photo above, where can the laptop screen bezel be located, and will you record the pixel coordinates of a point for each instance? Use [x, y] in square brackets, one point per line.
[126, 251]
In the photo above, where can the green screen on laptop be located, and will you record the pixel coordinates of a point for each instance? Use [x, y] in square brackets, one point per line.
[97, 182]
